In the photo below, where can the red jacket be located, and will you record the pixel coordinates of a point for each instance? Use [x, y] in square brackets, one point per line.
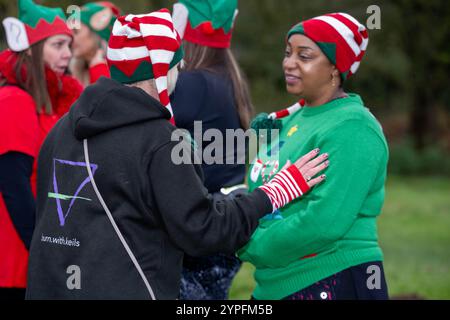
[23, 130]
[95, 72]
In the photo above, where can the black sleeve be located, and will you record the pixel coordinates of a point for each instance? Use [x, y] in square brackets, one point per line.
[15, 187]
[195, 222]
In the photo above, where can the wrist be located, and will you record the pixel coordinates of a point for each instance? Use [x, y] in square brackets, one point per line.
[286, 186]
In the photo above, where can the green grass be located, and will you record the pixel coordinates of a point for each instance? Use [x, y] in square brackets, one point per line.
[414, 232]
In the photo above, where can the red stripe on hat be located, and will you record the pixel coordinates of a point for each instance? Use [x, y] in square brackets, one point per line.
[122, 20]
[120, 42]
[365, 34]
[163, 43]
[160, 42]
[320, 31]
[353, 27]
[132, 25]
[164, 97]
[153, 20]
[360, 56]
[160, 69]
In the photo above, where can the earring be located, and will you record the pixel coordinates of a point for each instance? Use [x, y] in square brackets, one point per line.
[332, 82]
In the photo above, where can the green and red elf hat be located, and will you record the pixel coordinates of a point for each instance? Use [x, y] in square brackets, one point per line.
[143, 47]
[340, 37]
[100, 17]
[34, 24]
[206, 22]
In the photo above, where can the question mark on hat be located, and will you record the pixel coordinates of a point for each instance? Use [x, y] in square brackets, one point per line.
[16, 34]
[13, 27]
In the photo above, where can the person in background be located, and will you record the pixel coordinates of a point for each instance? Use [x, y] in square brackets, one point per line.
[34, 94]
[91, 35]
[211, 89]
[324, 247]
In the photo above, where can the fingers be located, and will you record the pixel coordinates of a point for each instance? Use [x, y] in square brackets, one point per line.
[313, 182]
[315, 162]
[307, 157]
[311, 165]
[315, 170]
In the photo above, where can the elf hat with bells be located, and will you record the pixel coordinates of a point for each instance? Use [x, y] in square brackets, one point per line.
[35, 23]
[206, 22]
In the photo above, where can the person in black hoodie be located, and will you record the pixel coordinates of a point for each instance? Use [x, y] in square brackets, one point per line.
[115, 214]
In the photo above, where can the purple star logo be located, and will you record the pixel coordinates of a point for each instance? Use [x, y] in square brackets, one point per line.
[59, 197]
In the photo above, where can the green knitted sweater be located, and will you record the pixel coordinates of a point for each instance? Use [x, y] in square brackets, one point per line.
[333, 227]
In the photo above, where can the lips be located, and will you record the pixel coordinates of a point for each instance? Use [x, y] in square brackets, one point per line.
[291, 79]
[61, 69]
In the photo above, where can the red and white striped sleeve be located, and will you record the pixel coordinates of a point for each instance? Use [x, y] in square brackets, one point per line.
[286, 186]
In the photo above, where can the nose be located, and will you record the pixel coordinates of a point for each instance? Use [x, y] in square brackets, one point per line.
[289, 63]
[67, 53]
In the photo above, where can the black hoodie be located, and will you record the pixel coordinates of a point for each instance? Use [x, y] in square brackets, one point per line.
[160, 208]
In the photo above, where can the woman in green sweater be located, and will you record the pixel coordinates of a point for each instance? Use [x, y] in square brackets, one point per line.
[325, 246]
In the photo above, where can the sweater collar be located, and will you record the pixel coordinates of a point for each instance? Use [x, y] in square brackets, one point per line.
[352, 98]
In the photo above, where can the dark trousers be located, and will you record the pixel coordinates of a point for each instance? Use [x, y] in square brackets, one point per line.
[362, 282]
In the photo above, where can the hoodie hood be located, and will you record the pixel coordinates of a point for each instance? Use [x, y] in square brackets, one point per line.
[108, 104]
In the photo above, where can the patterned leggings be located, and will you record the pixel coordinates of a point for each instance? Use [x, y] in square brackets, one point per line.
[208, 278]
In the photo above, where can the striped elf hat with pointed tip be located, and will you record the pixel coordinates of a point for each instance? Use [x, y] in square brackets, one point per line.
[35, 23]
[206, 22]
[143, 47]
[340, 37]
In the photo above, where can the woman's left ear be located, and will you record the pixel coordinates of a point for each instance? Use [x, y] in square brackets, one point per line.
[335, 73]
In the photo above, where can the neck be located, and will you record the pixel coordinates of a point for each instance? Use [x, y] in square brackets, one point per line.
[148, 86]
[325, 97]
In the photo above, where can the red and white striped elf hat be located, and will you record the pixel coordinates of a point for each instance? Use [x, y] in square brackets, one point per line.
[341, 38]
[143, 47]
